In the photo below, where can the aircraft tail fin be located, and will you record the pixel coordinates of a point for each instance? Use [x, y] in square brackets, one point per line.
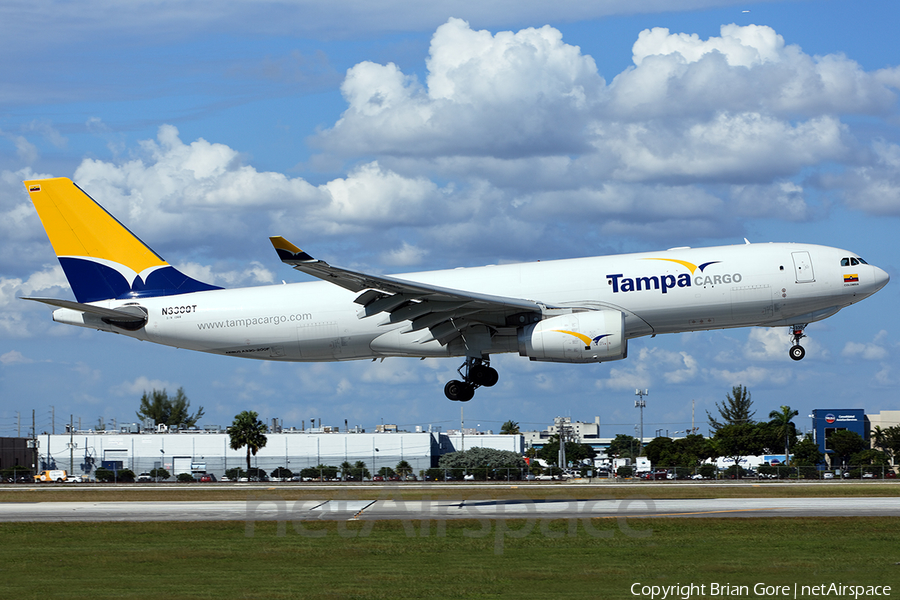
[101, 258]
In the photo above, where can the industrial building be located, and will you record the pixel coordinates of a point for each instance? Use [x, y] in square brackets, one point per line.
[200, 452]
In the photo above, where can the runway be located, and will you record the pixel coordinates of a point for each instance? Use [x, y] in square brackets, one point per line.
[273, 508]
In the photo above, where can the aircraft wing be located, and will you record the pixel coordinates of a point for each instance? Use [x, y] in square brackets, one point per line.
[446, 312]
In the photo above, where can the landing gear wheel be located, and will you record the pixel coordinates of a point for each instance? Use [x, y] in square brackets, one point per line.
[475, 372]
[459, 391]
[797, 352]
[483, 375]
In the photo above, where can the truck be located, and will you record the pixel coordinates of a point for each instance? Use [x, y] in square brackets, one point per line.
[57, 475]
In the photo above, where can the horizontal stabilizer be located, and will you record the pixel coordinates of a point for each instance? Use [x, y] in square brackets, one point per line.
[127, 317]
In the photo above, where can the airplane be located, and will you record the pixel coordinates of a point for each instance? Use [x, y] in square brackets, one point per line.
[578, 310]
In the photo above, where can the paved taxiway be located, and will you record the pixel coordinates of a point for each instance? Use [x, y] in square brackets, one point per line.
[273, 508]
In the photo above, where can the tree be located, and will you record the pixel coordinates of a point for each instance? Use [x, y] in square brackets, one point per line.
[235, 474]
[168, 411]
[483, 462]
[660, 451]
[692, 449]
[806, 452]
[282, 473]
[361, 471]
[781, 421]
[575, 452]
[354, 472]
[509, 428]
[320, 471]
[887, 440]
[160, 474]
[623, 446]
[737, 441]
[404, 469]
[845, 443]
[734, 411]
[869, 456]
[247, 430]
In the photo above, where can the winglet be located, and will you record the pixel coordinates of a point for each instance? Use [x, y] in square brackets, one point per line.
[288, 252]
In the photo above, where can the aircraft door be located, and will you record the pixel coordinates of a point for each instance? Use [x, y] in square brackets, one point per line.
[319, 341]
[803, 268]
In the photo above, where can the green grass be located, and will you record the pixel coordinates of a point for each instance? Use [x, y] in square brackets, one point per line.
[457, 559]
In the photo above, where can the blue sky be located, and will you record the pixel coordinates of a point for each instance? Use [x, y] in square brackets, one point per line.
[403, 138]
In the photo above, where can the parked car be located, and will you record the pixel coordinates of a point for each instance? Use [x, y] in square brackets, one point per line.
[143, 477]
[828, 475]
[207, 478]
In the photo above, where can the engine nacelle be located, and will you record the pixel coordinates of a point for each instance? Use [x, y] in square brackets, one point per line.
[593, 336]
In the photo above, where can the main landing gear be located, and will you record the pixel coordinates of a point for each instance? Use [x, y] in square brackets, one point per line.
[478, 372]
[797, 351]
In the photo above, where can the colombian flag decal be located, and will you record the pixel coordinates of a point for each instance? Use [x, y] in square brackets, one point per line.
[851, 278]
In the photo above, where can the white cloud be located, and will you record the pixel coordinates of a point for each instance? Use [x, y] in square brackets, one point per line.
[651, 366]
[746, 68]
[873, 187]
[14, 357]
[874, 350]
[529, 120]
[405, 255]
[138, 386]
[753, 375]
[784, 198]
[507, 95]
[767, 344]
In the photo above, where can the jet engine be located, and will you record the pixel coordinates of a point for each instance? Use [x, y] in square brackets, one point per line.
[580, 337]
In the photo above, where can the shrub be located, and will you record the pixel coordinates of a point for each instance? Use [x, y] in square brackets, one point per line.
[282, 473]
[235, 474]
[160, 474]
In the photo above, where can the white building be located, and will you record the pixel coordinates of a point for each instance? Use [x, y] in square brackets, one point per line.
[198, 452]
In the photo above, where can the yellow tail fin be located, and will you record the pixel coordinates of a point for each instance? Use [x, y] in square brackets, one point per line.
[102, 259]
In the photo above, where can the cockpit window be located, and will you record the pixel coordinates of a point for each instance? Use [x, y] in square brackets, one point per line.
[863, 262]
[845, 262]
[853, 262]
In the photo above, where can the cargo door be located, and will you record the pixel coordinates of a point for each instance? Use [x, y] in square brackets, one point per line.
[181, 464]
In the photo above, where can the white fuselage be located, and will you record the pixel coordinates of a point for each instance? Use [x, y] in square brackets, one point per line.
[659, 292]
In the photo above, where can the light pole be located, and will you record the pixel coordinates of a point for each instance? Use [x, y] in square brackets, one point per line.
[641, 403]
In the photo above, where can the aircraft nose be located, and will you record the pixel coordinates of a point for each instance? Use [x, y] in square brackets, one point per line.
[880, 277]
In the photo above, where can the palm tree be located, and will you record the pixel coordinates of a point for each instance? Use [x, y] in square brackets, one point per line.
[248, 430]
[403, 468]
[509, 428]
[781, 420]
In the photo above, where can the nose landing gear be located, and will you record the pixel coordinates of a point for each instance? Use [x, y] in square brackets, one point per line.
[797, 351]
[478, 372]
